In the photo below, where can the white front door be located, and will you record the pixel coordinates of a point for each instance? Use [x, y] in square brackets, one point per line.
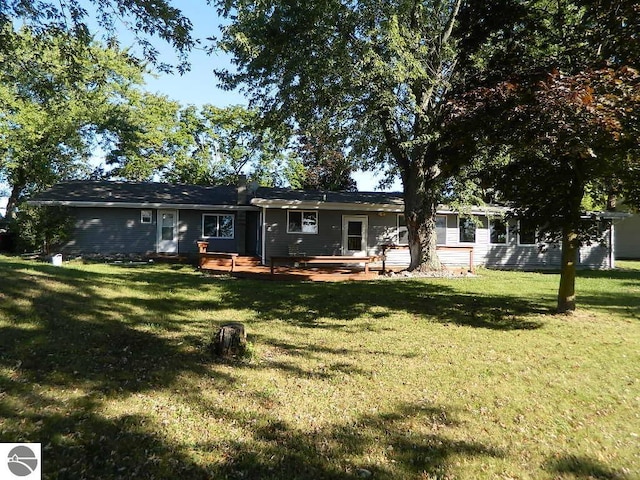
[354, 235]
[167, 231]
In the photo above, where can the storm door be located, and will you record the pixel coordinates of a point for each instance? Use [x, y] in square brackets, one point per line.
[167, 231]
[354, 235]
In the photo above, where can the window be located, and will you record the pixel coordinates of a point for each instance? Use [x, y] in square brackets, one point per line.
[526, 233]
[498, 231]
[467, 230]
[217, 226]
[441, 230]
[145, 216]
[403, 232]
[302, 222]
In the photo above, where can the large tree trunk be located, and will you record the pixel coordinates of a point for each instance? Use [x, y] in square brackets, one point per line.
[570, 237]
[567, 289]
[420, 214]
[12, 202]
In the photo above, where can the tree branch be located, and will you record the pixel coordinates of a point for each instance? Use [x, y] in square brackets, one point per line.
[452, 20]
[392, 140]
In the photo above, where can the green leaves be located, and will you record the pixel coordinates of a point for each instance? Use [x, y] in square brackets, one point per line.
[144, 19]
[54, 108]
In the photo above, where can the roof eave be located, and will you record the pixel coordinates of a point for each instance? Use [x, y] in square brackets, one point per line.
[397, 207]
[320, 205]
[157, 205]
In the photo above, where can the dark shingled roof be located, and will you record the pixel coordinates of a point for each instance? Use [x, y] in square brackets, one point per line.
[138, 193]
[132, 192]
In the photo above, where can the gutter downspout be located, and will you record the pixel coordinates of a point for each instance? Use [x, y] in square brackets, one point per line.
[264, 236]
[612, 246]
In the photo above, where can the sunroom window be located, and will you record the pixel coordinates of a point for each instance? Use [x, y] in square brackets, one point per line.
[403, 232]
[498, 231]
[467, 230]
[526, 233]
[441, 230]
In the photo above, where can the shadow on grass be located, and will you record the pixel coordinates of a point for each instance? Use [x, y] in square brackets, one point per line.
[620, 292]
[78, 442]
[68, 346]
[307, 304]
[408, 442]
[583, 468]
[65, 350]
[615, 274]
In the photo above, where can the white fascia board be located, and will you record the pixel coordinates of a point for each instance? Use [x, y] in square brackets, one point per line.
[491, 211]
[609, 215]
[173, 206]
[366, 207]
[301, 205]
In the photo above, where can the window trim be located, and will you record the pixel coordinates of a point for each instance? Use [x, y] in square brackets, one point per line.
[438, 241]
[149, 214]
[233, 225]
[505, 222]
[475, 231]
[535, 235]
[446, 221]
[398, 226]
[302, 213]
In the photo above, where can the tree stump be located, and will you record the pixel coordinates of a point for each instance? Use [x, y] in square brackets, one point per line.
[230, 341]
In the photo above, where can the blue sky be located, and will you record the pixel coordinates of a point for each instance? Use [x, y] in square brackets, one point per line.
[199, 85]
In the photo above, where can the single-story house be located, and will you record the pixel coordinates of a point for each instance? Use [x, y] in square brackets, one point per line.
[157, 218]
[627, 239]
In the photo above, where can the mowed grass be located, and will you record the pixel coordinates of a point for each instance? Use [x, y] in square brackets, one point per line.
[470, 378]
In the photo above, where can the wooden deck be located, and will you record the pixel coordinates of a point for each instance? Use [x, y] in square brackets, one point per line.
[250, 267]
[334, 260]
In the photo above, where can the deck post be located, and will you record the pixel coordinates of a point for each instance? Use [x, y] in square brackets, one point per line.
[202, 247]
[471, 267]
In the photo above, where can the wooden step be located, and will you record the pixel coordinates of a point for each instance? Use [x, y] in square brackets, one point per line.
[248, 261]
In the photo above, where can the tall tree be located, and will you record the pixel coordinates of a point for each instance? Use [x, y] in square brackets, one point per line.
[379, 70]
[51, 117]
[216, 145]
[567, 119]
[192, 162]
[142, 135]
[324, 166]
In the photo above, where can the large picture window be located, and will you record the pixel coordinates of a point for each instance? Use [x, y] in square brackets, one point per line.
[498, 231]
[217, 226]
[467, 230]
[300, 221]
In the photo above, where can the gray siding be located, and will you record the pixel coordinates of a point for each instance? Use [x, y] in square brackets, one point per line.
[110, 231]
[191, 233]
[119, 231]
[627, 238]
[382, 229]
[326, 242]
[509, 255]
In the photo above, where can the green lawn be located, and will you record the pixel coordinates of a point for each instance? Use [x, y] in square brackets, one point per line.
[467, 378]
